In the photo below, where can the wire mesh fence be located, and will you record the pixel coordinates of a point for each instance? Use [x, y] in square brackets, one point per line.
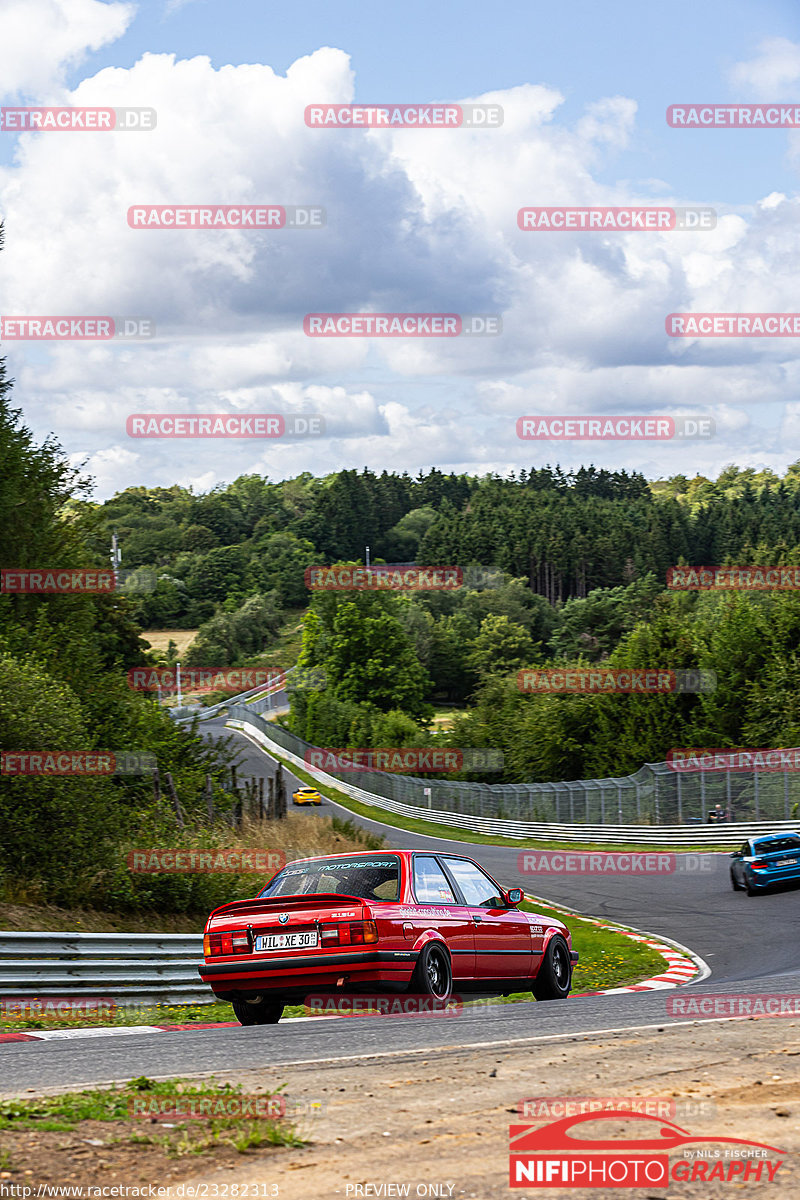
[656, 794]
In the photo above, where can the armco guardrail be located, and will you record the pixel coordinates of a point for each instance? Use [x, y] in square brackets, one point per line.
[462, 796]
[262, 704]
[134, 968]
[258, 699]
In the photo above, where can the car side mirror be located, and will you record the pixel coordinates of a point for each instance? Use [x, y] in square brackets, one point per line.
[514, 896]
[736, 854]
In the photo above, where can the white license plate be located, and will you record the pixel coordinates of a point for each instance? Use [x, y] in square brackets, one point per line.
[785, 862]
[286, 941]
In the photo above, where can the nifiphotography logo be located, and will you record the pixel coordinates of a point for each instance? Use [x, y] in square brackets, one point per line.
[562, 1155]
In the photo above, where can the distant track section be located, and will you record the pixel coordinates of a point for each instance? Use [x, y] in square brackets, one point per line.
[725, 834]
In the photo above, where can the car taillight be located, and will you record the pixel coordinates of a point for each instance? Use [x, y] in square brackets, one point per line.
[363, 931]
[233, 941]
[759, 866]
[350, 933]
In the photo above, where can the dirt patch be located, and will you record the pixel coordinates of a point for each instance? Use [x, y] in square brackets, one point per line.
[442, 1118]
[159, 639]
[130, 1153]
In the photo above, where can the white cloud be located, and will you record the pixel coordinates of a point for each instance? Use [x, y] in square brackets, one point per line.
[416, 221]
[41, 39]
[774, 72]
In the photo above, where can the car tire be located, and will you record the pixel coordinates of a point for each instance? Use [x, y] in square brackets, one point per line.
[433, 974]
[737, 887]
[555, 974]
[751, 891]
[261, 1011]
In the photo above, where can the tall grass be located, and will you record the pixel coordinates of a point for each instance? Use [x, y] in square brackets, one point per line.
[115, 888]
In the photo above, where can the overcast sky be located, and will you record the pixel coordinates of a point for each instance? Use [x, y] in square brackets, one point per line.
[416, 221]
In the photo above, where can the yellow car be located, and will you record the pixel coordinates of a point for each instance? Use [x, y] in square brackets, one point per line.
[306, 795]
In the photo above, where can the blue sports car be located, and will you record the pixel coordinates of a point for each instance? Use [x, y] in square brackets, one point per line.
[763, 861]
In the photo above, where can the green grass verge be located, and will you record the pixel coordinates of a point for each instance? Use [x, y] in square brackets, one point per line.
[607, 959]
[63, 1113]
[457, 833]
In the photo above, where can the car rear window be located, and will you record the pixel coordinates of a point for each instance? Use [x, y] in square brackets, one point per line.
[778, 845]
[375, 878]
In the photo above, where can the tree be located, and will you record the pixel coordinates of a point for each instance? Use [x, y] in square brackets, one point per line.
[370, 657]
[199, 537]
[501, 648]
[448, 663]
[218, 574]
[229, 637]
[359, 641]
[280, 564]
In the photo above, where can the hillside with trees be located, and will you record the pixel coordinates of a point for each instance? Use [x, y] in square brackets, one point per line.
[580, 564]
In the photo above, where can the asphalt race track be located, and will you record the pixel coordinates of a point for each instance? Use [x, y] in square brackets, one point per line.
[740, 937]
[749, 944]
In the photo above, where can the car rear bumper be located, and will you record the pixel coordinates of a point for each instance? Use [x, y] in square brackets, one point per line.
[763, 879]
[307, 970]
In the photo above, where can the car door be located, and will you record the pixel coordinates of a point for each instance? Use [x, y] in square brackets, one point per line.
[437, 907]
[738, 863]
[503, 944]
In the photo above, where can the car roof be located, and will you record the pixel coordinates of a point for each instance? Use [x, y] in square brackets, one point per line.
[372, 854]
[774, 837]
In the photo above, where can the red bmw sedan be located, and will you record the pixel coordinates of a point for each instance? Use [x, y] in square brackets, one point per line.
[381, 921]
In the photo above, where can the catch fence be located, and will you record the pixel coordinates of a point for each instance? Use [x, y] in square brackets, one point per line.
[655, 795]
